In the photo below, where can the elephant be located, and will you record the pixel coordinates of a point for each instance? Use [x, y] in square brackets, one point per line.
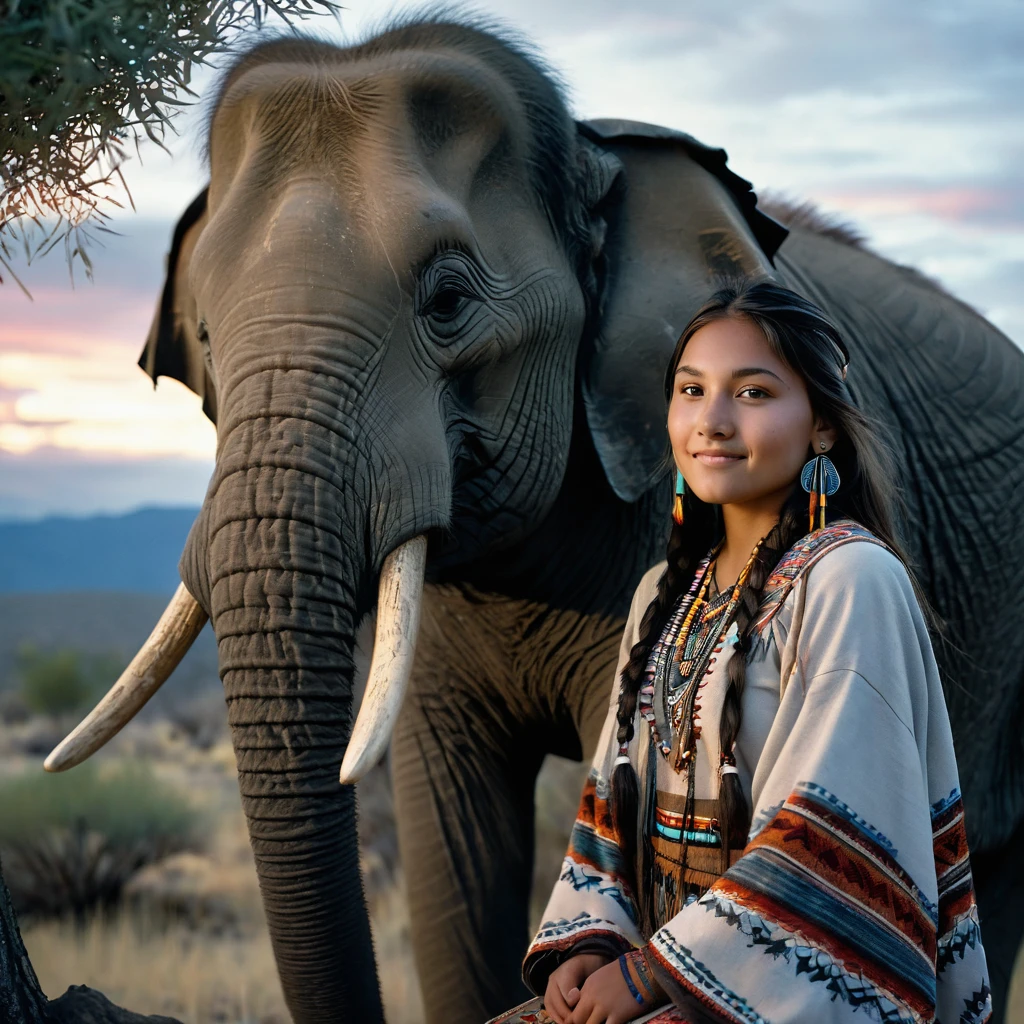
[421, 301]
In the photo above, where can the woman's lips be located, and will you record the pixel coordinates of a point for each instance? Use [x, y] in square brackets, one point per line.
[717, 458]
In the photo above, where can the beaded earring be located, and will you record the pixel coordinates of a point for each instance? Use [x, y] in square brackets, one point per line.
[820, 479]
[677, 504]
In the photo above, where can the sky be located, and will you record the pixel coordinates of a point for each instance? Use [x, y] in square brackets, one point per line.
[906, 119]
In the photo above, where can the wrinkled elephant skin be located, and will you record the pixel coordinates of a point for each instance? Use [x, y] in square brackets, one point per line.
[420, 300]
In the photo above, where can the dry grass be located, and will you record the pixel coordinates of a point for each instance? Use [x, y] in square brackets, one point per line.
[389, 918]
[215, 967]
[201, 978]
[197, 978]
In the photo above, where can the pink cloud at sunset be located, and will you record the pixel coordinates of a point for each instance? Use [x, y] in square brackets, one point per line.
[999, 207]
[69, 379]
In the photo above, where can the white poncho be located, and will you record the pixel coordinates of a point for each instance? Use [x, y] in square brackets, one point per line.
[853, 898]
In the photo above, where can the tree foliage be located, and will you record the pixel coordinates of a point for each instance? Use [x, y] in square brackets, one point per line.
[83, 80]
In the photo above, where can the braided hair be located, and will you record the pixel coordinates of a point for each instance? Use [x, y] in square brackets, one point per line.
[800, 334]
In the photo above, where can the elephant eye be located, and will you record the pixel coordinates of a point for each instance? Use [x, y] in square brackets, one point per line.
[448, 289]
[446, 303]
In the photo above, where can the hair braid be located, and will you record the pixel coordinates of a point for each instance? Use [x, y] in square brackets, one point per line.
[687, 545]
[733, 812]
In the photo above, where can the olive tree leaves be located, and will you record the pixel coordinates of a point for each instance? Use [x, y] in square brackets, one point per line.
[83, 80]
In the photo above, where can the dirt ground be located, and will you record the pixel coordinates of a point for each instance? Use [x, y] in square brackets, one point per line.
[190, 940]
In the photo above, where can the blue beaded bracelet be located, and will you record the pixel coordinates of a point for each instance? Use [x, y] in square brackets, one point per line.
[624, 967]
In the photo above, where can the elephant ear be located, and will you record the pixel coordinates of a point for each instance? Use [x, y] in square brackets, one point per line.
[172, 347]
[678, 224]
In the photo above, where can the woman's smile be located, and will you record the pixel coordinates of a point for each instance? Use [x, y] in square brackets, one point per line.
[716, 458]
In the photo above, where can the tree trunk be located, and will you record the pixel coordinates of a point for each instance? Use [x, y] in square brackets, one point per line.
[22, 1000]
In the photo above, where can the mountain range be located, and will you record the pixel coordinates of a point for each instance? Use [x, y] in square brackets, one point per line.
[96, 585]
[137, 552]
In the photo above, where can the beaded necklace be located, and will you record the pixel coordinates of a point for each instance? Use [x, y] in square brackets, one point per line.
[688, 853]
[694, 650]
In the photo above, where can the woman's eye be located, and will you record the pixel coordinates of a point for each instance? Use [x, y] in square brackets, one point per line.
[693, 390]
[754, 393]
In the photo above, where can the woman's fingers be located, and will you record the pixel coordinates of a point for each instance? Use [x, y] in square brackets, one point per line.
[572, 997]
[555, 1005]
[585, 1012]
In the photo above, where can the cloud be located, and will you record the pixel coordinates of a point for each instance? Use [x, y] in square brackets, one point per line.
[98, 403]
[763, 52]
[129, 266]
[69, 377]
[999, 207]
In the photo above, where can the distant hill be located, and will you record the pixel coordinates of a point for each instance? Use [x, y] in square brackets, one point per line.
[99, 623]
[136, 552]
[96, 585]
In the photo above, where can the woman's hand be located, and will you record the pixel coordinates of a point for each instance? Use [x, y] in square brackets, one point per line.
[605, 999]
[565, 982]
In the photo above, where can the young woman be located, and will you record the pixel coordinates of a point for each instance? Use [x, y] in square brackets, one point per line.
[772, 828]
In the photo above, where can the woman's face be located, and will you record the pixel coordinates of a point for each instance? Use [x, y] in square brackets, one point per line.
[740, 420]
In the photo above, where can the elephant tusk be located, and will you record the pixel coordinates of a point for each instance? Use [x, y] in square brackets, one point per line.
[171, 638]
[398, 621]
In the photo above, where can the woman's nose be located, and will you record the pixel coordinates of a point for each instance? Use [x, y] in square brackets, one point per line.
[716, 421]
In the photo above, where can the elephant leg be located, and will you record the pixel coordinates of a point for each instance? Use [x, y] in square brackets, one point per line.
[999, 889]
[464, 782]
[498, 684]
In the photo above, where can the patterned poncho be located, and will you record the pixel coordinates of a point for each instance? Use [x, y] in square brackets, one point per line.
[853, 897]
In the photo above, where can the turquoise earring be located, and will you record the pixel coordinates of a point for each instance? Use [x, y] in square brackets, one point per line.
[820, 479]
[677, 504]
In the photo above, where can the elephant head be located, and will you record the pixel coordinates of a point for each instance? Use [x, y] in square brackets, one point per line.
[409, 268]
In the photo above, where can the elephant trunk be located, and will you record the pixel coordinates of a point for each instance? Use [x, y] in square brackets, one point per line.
[283, 602]
[302, 513]
[305, 508]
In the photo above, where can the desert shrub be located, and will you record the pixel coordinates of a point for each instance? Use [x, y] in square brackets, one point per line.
[69, 842]
[58, 682]
[14, 710]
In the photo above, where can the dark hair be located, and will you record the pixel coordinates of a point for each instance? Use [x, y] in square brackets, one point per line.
[800, 334]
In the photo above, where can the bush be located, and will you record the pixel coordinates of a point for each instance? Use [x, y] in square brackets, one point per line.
[69, 842]
[64, 681]
[14, 709]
